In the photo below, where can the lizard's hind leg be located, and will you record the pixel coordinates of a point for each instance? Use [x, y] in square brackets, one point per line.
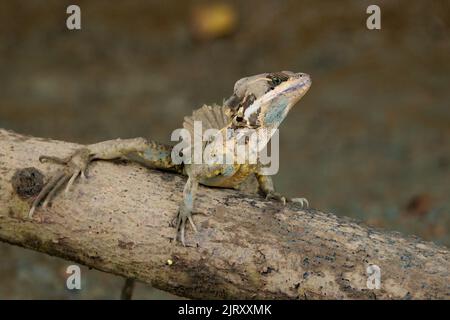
[74, 165]
[77, 163]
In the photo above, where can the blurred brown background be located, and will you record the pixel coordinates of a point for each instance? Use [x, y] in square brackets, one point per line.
[371, 139]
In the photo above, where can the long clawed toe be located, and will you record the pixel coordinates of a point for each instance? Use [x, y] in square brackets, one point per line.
[75, 165]
[54, 189]
[302, 201]
[54, 159]
[47, 192]
[276, 196]
[183, 215]
[51, 188]
[71, 181]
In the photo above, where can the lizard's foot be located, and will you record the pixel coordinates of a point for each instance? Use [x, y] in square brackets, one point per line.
[74, 165]
[183, 215]
[302, 201]
[276, 196]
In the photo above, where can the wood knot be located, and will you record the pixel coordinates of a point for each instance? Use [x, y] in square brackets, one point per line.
[27, 182]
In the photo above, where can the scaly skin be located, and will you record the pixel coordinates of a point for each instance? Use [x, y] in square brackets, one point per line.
[259, 102]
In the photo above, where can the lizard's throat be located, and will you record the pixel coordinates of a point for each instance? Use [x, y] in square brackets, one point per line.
[272, 116]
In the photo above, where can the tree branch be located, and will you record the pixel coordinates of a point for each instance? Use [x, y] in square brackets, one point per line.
[118, 221]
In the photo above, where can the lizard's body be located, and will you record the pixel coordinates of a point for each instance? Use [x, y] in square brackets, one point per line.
[258, 103]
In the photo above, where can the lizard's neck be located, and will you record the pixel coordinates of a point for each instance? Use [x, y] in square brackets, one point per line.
[271, 118]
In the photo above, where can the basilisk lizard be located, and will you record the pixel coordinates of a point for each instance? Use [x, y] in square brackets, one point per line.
[259, 103]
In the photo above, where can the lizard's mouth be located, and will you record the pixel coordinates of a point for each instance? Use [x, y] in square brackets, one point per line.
[297, 85]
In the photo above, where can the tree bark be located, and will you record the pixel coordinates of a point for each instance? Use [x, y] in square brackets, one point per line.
[118, 221]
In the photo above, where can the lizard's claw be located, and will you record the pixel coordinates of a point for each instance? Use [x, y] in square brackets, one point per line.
[74, 165]
[302, 202]
[183, 215]
[276, 196]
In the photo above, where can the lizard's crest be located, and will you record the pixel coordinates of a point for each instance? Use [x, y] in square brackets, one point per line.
[211, 117]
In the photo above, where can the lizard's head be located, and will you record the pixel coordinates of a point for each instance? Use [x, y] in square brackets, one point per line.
[265, 99]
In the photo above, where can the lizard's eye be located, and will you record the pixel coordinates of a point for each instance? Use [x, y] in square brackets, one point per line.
[277, 78]
[276, 81]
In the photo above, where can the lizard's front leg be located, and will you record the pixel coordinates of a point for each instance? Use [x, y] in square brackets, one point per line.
[186, 207]
[266, 186]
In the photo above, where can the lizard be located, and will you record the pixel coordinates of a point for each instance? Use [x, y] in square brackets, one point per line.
[260, 102]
